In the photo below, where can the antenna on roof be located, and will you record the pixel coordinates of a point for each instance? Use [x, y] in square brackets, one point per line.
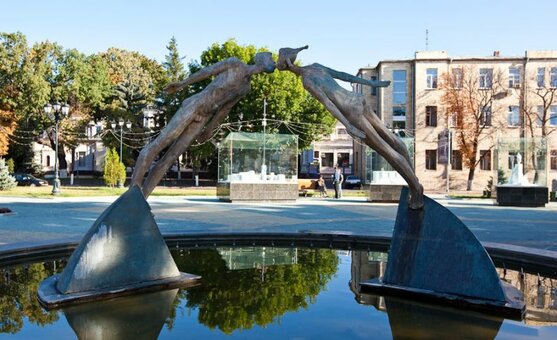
[426, 39]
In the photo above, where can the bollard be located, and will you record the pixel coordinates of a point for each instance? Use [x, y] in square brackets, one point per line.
[71, 179]
[196, 180]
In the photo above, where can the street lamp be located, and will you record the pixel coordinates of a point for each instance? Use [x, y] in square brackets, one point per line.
[56, 112]
[128, 126]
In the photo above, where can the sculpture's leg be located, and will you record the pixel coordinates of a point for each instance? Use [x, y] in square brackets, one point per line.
[387, 135]
[158, 171]
[398, 161]
[170, 133]
[199, 129]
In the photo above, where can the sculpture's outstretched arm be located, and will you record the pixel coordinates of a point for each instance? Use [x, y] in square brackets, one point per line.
[353, 79]
[202, 74]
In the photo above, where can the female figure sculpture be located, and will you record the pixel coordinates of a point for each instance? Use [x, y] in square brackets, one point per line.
[354, 111]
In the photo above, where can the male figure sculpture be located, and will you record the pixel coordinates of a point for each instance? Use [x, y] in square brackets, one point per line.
[354, 111]
[199, 114]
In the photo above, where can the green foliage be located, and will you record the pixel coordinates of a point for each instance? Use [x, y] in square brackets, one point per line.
[11, 165]
[240, 299]
[7, 182]
[114, 170]
[501, 176]
[18, 290]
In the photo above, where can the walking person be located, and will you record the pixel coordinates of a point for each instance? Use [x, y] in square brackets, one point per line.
[322, 187]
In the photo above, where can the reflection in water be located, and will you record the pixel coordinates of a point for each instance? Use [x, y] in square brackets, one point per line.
[18, 288]
[540, 294]
[411, 320]
[132, 317]
[247, 287]
[239, 299]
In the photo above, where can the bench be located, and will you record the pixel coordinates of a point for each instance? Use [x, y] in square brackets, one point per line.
[307, 187]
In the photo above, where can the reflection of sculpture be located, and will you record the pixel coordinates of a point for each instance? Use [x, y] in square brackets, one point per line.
[199, 114]
[131, 317]
[354, 111]
[240, 299]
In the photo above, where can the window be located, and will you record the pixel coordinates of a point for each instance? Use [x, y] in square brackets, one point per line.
[485, 159]
[457, 78]
[553, 115]
[513, 117]
[456, 120]
[456, 160]
[327, 159]
[399, 126]
[81, 158]
[431, 159]
[553, 159]
[514, 77]
[399, 113]
[485, 116]
[399, 87]
[431, 77]
[540, 77]
[341, 132]
[486, 78]
[431, 115]
[315, 154]
[553, 77]
[539, 121]
[343, 159]
[373, 88]
[540, 160]
[47, 160]
[512, 159]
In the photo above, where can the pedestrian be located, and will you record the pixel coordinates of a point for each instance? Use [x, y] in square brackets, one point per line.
[321, 186]
[337, 180]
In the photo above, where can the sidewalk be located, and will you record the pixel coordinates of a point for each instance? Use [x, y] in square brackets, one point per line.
[62, 219]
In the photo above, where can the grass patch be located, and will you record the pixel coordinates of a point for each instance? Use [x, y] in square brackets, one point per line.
[80, 191]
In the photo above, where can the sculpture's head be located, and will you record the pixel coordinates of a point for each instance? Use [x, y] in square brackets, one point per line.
[265, 59]
[288, 54]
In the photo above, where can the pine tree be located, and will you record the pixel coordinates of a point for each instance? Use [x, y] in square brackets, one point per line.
[7, 182]
[173, 62]
[114, 170]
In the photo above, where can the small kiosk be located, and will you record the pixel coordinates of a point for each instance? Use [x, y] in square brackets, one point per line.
[258, 167]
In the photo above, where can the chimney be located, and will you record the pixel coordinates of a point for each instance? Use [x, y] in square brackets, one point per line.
[495, 53]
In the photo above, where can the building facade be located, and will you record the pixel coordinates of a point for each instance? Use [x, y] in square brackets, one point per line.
[333, 150]
[513, 93]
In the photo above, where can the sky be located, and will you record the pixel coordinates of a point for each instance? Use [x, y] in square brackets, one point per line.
[342, 34]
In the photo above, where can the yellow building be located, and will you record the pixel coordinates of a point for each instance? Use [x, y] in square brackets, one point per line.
[512, 94]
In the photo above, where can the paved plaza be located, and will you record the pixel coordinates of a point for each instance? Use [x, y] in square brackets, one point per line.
[39, 221]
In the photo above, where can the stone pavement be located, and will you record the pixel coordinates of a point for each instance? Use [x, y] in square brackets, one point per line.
[39, 221]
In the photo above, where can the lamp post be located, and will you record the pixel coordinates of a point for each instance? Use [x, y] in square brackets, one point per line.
[56, 112]
[264, 123]
[128, 126]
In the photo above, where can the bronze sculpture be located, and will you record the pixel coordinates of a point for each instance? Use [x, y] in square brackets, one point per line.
[354, 111]
[199, 114]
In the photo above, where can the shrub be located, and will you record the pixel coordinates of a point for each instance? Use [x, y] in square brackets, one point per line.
[114, 170]
[7, 181]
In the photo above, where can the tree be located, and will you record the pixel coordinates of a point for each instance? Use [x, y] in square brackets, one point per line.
[470, 100]
[239, 299]
[114, 170]
[7, 182]
[136, 81]
[13, 51]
